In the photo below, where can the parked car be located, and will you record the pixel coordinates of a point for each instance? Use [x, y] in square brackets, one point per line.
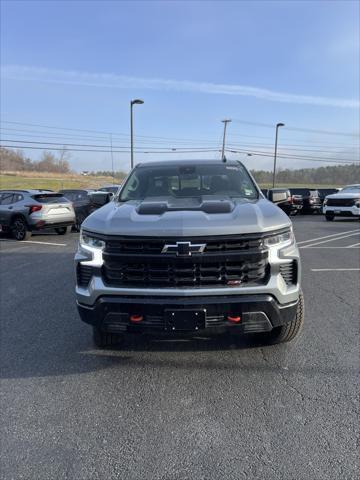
[189, 247]
[23, 211]
[345, 203]
[110, 188]
[276, 196]
[324, 192]
[85, 202]
[309, 199]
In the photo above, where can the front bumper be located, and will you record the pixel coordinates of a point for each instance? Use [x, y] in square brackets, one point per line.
[352, 211]
[260, 306]
[258, 313]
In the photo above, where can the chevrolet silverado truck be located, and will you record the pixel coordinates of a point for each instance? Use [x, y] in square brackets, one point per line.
[189, 247]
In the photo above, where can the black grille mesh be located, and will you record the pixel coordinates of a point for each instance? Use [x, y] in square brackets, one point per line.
[289, 272]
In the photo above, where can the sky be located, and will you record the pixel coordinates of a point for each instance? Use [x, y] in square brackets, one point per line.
[70, 69]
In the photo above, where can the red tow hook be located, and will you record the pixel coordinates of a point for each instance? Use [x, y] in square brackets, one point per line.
[234, 318]
[136, 318]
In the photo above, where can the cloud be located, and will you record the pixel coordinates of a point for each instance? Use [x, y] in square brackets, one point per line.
[108, 80]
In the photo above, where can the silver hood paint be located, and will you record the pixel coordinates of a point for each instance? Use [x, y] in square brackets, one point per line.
[343, 195]
[247, 217]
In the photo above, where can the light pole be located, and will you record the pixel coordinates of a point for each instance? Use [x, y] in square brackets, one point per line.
[137, 101]
[225, 122]
[278, 125]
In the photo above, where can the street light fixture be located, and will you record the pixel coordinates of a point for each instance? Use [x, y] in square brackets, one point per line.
[137, 101]
[278, 125]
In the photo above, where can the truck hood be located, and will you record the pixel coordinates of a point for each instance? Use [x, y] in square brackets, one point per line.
[246, 216]
[343, 195]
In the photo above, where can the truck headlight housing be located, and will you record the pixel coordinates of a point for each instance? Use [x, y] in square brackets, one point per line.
[88, 241]
[280, 239]
[357, 203]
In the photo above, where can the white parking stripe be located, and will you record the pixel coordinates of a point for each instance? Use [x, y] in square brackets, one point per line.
[335, 269]
[45, 243]
[330, 240]
[313, 248]
[352, 246]
[327, 236]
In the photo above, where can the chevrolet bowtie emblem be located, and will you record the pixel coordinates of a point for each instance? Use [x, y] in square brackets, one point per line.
[184, 249]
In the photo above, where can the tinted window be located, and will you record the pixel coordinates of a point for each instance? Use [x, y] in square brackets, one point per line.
[7, 198]
[299, 191]
[18, 197]
[50, 198]
[75, 196]
[189, 181]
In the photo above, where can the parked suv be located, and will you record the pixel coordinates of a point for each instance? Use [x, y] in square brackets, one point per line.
[345, 203]
[189, 247]
[283, 199]
[23, 211]
[85, 202]
[309, 199]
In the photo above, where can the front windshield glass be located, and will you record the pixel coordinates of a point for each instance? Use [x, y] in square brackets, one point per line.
[353, 189]
[182, 181]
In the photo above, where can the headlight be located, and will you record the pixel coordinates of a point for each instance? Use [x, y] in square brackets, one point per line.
[286, 237]
[87, 240]
[357, 203]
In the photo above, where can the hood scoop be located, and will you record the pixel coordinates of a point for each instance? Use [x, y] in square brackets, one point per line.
[158, 206]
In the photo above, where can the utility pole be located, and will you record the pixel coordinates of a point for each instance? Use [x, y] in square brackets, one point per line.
[112, 159]
[225, 122]
[137, 101]
[278, 125]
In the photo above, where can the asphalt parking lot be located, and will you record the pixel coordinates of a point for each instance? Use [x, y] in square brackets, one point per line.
[203, 408]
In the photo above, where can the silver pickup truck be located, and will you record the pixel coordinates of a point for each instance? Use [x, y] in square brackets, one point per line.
[189, 247]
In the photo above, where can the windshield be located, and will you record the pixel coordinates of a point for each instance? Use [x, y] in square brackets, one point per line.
[182, 181]
[354, 189]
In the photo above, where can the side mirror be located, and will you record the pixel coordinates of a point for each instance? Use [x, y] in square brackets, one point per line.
[99, 199]
[278, 197]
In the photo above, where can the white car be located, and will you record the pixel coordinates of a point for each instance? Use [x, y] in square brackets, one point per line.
[345, 203]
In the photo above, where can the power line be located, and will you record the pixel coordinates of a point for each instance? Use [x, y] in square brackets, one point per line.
[188, 149]
[126, 135]
[298, 129]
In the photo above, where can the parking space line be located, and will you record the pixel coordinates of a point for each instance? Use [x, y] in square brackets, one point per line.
[46, 243]
[332, 239]
[344, 248]
[335, 269]
[353, 246]
[327, 236]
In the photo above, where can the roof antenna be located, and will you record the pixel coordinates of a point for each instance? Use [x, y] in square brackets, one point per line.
[225, 122]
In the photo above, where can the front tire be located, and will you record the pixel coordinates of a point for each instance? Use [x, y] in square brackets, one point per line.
[62, 230]
[104, 339]
[287, 332]
[19, 229]
[329, 217]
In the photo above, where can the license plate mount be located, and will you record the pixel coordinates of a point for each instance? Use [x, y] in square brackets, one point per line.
[186, 320]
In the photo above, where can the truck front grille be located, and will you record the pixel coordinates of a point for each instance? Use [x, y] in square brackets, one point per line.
[340, 202]
[224, 262]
